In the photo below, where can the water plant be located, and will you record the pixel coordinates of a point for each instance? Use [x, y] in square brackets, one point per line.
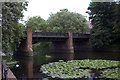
[79, 68]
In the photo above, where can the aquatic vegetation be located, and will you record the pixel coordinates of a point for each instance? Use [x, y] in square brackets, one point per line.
[78, 68]
[111, 73]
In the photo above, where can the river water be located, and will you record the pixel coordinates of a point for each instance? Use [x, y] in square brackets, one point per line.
[29, 67]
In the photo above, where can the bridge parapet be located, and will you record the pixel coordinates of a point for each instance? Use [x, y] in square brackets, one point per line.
[81, 35]
[50, 34]
[57, 34]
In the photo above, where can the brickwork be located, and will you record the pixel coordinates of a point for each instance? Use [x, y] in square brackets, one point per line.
[70, 41]
[62, 42]
[29, 38]
[25, 48]
[63, 45]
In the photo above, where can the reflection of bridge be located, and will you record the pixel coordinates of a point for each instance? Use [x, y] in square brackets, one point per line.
[59, 41]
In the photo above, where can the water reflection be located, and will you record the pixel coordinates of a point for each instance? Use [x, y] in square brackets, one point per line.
[25, 68]
[29, 67]
[62, 56]
[91, 76]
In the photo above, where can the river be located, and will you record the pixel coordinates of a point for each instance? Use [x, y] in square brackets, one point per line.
[29, 67]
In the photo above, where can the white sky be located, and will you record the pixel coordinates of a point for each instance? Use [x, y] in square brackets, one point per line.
[44, 8]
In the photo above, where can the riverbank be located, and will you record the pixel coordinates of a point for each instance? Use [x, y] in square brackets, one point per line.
[4, 67]
[10, 75]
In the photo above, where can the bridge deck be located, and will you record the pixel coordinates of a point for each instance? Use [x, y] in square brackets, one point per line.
[55, 36]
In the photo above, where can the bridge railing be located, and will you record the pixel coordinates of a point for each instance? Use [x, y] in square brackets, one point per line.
[80, 35]
[49, 34]
[57, 34]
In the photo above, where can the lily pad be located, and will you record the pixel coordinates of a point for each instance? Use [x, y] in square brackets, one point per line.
[77, 68]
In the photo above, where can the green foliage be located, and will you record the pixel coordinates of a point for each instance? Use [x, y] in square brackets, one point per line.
[59, 22]
[64, 20]
[37, 23]
[80, 68]
[103, 17]
[11, 29]
[41, 46]
[117, 21]
[111, 73]
[9, 61]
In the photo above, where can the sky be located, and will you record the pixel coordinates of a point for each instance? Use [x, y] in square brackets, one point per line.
[44, 8]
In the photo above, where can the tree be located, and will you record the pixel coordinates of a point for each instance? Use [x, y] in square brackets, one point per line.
[64, 20]
[102, 15]
[37, 23]
[117, 21]
[11, 29]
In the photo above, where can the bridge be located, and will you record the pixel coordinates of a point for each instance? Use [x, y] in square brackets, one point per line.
[59, 40]
[38, 36]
